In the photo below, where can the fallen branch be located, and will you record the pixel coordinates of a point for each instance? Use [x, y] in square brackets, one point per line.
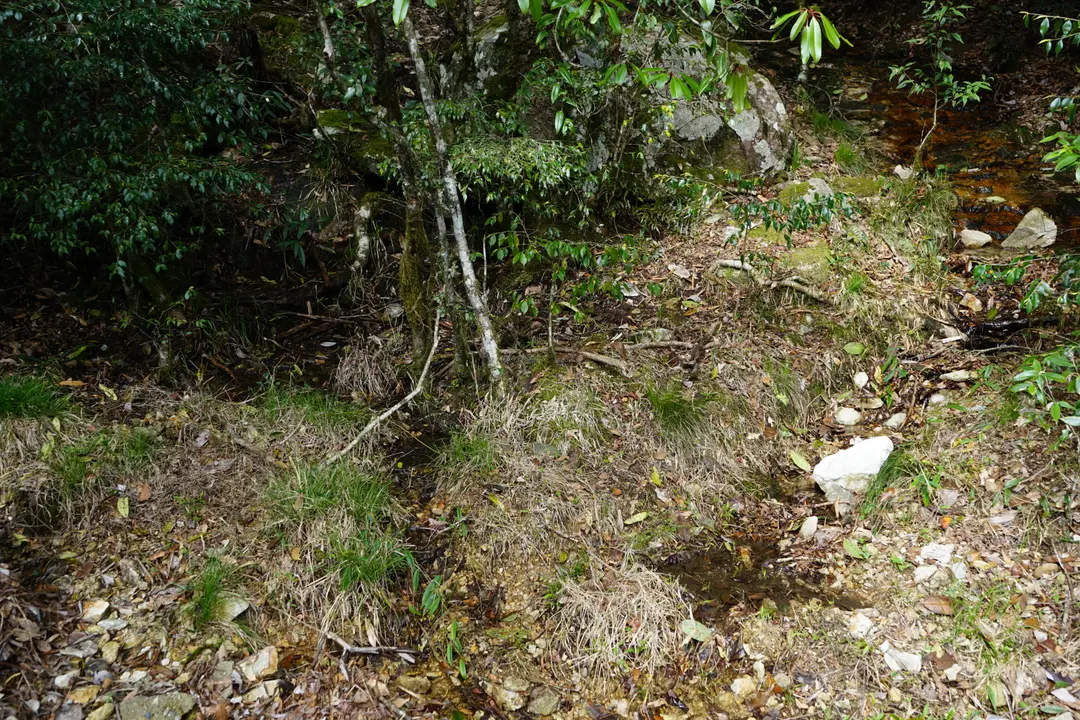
[348, 648]
[594, 357]
[790, 283]
[396, 406]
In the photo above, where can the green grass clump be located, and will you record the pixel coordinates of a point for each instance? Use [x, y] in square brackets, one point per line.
[856, 283]
[209, 591]
[133, 449]
[826, 126]
[315, 490]
[346, 517]
[30, 397]
[71, 466]
[678, 415]
[897, 471]
[467, 453]
[367, 557]
[312, 406]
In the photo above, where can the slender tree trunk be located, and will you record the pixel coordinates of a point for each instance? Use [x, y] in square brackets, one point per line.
[453, 300]
[452, 206]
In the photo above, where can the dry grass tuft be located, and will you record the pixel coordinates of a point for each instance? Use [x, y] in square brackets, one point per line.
[621, 619]
[369, 369]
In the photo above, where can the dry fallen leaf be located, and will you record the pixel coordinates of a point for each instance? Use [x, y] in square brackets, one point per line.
[143, 492]
[937, 604]
[72, 383]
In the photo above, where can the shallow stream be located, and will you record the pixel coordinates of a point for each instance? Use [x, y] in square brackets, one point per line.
[995, 165]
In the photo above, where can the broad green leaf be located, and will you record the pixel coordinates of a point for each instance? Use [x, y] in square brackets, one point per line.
[560, 121]
[804, 46]
[401, 9]
[854, 348]
[797, 26]
[800, 462]
[815, 39]
[635, 519]
[678, 88]
[779, 22]
[852, 548]
[696, 631]
[123, 506]
[363, 3]
[536, 7]
[523, 5]
[830, 32]
[613, 19]
[1044, 27]
[707, 6]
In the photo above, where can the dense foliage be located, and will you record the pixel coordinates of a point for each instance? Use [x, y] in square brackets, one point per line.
[121, 124]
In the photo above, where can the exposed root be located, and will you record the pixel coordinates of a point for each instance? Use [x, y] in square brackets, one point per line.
[791, 283]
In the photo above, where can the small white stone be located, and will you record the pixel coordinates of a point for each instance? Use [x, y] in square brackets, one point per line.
[936, 552]
[904, 173]
[809, 527]
[861, 380]
[65, 681]
[859, 626]
[898, 660]
[974, 238]
[743, 686]
[958, 376]
[897, 421]
[959, 570]
[938, 399]
[924, 573]
[258, 666]
[847, 416]
[95, 610]
[759, 671]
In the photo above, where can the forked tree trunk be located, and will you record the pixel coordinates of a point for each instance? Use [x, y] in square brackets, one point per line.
[451, 204]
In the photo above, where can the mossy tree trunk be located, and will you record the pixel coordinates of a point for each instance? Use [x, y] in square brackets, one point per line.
[414, 277]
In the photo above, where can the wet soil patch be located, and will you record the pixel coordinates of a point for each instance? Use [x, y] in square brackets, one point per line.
[749, 573]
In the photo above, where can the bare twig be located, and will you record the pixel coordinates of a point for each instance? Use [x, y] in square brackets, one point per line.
[594, 357]
[396, 406]
[1066, 619]
[348, 648]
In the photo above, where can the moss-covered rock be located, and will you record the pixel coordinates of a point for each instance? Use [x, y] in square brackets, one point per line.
[767, 236]
[367, 147]
[812, 263]
[860, 187]
[287, 47]
[792, 192]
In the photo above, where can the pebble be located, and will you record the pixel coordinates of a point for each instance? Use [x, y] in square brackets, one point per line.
[260, 665]
[859, 626]
[847, 416]
[897, 421]
[936, 552]
[898, 660]
[743, 686]
[95, 610]
[861, 380]
[102, 713]
[65, 681]
[110, 651]
[414, 683]
[938, 399]
[809, 527]
[545, 701]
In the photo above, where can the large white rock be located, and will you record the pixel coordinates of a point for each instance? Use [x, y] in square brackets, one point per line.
[1036, 230]
[846, 474]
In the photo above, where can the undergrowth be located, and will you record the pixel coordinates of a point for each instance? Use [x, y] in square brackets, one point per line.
[209, 591]
[30, 397]
[281, 402]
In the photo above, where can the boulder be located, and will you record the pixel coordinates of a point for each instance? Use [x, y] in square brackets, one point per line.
[974, 238]
[845, 475]
[1036, 230]
[758, 140]
[170, 706]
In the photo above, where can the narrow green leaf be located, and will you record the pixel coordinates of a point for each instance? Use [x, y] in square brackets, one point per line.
[523, 5]
[696, 631]
[830, 32]
[815, 39]
[800, 462]
[780, 21]
[797, 26]
[613, 19]
[537, 9]
[708, 6]
[401, 9]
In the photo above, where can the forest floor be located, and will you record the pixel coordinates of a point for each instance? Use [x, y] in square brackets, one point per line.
[632, 532]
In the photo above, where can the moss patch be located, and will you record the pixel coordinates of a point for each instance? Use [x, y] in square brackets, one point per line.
[792, 192]
[768, 236]
[810, 263]
[858, 186]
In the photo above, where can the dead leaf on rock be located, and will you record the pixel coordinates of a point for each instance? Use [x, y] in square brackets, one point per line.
[937, 604]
